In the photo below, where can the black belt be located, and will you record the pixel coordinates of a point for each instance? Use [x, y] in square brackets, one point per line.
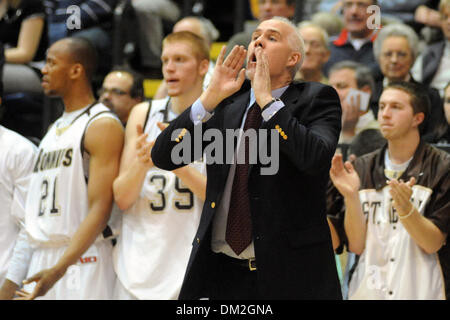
[249, 264]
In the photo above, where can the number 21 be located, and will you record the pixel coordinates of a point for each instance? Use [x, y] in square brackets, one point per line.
[55, 208]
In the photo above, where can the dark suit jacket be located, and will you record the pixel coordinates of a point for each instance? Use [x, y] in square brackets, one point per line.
[293, 250]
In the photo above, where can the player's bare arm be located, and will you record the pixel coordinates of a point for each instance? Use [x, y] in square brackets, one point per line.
[423, 231]
[135, 161]
[103, 141]
[346, 180]
[227, 78]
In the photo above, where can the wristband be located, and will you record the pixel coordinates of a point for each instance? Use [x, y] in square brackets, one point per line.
[407, 215]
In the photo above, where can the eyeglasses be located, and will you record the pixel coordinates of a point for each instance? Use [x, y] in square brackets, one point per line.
[400, 54]
[113, 91]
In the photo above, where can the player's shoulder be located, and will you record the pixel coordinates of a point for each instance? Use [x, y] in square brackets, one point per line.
[100, 114]
[139, 111]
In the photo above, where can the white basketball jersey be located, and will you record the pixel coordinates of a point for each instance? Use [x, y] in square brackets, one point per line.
[392, 266]
[58, 200]
[155, 243]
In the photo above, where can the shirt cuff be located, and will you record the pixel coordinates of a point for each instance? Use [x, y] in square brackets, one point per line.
[199, 113]
[272, 110]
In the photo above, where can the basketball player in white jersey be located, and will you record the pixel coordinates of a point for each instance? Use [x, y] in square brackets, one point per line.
[397, 213]
[70, 194]
[17, 157]
[162, 208]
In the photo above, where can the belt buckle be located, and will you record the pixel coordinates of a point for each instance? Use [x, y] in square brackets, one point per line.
[252, 264]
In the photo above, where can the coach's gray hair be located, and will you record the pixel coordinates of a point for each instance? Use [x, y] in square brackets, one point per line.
[397, 30]
[296, 42]
[363, 74]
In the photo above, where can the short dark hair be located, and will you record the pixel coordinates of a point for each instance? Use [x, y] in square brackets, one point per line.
[420, 102]
[84, 53]
[137, 87]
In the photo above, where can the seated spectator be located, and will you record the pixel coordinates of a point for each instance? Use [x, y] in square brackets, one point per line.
[396, 48]
[87, 19]
[317, 52]
[396, 206]
[121, 90]
[267, 9]
[345, 76]
[150, 15]
[356, 38]
[433, 65]
[23, 31]
[203, 28]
